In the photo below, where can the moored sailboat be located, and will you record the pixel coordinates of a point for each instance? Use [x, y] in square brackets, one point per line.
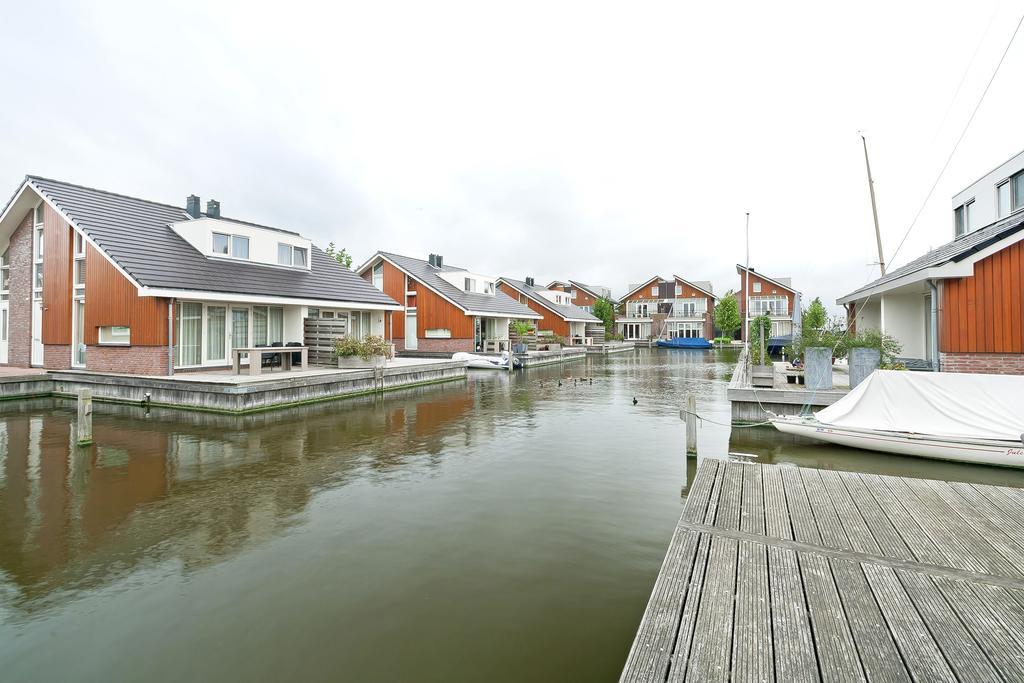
[945, 416]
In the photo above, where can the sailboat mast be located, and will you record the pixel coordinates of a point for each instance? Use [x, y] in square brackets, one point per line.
[746, 286]
[874, 207]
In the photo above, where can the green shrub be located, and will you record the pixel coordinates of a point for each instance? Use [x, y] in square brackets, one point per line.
[888, 347]
[760, 328]
[521, 328]
[364, 348]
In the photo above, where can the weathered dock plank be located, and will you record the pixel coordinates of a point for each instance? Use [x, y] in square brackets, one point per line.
[779, 573]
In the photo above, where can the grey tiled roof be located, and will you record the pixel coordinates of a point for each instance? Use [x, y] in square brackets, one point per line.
[136, 234]
[423, 272]
[951, 252]
[567, 312]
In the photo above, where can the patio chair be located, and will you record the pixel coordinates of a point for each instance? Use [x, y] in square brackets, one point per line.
[297, 356]
[265, 360]
[275, 360]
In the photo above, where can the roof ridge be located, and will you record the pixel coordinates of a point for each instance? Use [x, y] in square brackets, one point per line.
[107, 192]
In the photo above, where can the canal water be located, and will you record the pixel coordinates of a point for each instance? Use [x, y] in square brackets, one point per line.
[506, 528]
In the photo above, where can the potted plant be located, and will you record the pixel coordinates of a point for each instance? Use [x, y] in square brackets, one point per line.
[520, 328]
[762, 373]
[370, 352]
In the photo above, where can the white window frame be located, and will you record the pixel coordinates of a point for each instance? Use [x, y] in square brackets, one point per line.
[231, 246]
[38, 239]
[438, 333]
[79, 263]
[5, 275]
[756, 287]
[1006, 186]
[654, 290]
[962, 218]
[116, 335]
[378, 276]
[292, 249]
[1016, 198]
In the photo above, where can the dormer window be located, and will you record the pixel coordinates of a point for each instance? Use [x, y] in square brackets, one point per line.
[489, 288]
[962, 218]
[470, 284]
[234, 246]
[288, 255]
[239, 247]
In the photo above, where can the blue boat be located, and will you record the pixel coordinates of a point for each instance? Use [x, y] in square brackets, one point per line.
[685, 343]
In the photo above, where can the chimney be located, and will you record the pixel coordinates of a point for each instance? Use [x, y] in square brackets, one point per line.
[529, 282]
[439, 260]
[213, 209]
[432, 260]
[192, 206]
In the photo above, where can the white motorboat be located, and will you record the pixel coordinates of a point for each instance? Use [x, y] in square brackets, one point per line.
[484, 362]
[944, 416]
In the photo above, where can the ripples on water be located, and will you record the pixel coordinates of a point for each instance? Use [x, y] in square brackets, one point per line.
[504, 528]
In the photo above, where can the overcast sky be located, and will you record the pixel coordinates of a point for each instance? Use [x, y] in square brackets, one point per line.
[603, 143]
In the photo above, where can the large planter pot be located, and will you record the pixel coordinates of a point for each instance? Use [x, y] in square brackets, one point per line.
[520, 348]
[863, 361]
[762, 376]
[818, 368]
[357, 363]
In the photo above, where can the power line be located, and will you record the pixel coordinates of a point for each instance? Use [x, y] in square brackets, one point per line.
[958, 140]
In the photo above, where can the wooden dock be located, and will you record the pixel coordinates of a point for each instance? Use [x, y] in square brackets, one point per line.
[779, 573]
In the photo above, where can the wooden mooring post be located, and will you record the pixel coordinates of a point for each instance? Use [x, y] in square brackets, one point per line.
[689, 415]
[83, 428]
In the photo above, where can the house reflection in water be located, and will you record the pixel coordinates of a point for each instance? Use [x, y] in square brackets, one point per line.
[190, 487]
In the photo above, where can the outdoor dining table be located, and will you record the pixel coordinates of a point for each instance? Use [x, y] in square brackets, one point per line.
[256, 357]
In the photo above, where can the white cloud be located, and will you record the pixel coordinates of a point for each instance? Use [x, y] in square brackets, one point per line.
[600, 142]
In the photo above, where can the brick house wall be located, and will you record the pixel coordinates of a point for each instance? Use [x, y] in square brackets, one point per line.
[19, 338]
[57, 356]
[442, 345]
[983, 363]
[132, 360]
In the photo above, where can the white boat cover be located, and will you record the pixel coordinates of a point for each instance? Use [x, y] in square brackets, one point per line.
[939, 403]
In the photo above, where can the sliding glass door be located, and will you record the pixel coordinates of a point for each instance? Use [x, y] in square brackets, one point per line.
[205, 333]
[190, 334]
[216, 341]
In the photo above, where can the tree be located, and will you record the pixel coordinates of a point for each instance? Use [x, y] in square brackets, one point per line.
[339, 255]
[815, 316]
[760, 329]
[605, 310]
[727, 314]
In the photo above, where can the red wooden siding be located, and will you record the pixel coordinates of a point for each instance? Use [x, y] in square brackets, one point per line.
[111, 299]
[983, 313]
[394, 286]
[550, 321]
[57, 246]
[434, 312]
[582, 298]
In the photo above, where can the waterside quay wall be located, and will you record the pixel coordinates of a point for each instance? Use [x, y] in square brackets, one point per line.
[230, 394]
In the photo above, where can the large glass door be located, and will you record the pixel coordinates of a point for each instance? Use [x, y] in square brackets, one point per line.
[4, 324]
[240, 329]
[190, 334]
[37, 333]
[77, 337]
[216, 334]
[410, 329]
